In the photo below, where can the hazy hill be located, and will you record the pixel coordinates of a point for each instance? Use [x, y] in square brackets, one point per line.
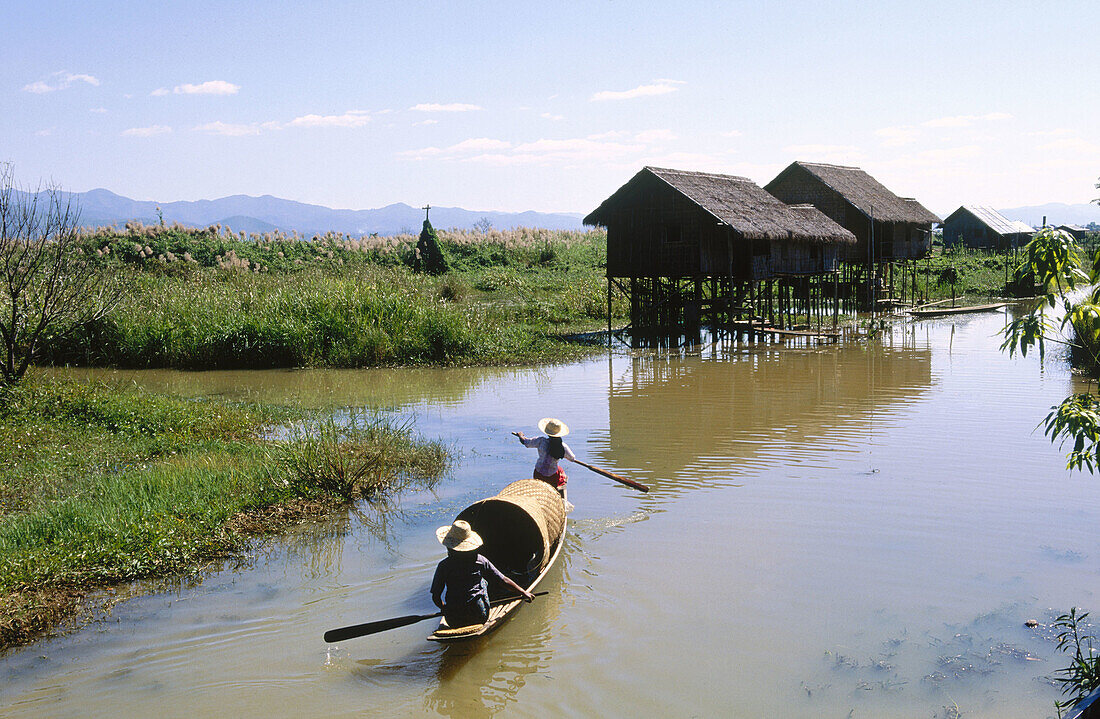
[1057, 213]
[262, 214]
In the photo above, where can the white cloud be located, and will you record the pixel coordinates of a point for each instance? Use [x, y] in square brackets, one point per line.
[210, 87]
[732, 133]
[99, 110]
[550, 116]
[544, 151]
[479, 144]
[1056, 132]
[160, 92]
[438, 107]
[44, 133]
[1072, 144]
[429, 121]
[648, 136]
[147, 131]
[899, 135]
[696, 162]
[938, 157]
[609, 135]
[229, 129]
[965, 120]
[61, 81]
[351, 118]
[812, 149]
[658, 87]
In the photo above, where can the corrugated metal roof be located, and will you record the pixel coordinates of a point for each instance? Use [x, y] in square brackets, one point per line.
[996, 221]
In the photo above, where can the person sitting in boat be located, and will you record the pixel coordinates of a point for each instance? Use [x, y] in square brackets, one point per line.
[551, 449]
[465, 575]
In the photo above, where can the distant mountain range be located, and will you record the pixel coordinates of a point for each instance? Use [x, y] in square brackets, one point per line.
[267, 214]
[1057, 213]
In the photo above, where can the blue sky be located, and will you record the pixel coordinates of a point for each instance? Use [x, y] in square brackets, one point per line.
[513, 106]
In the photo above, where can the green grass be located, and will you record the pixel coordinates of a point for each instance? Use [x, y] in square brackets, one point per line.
[105, 484]
[203, 300]
[975, 273]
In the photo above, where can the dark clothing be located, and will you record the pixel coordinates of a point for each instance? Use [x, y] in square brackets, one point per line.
[475, 612]
[467, 585]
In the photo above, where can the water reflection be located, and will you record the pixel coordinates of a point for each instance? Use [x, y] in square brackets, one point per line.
[856, 529]
[502, 663]
[484, 676]
[313, 388]
[726, 411]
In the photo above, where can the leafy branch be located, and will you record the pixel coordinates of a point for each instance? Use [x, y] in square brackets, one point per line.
[1062, 272]
[1082, 676]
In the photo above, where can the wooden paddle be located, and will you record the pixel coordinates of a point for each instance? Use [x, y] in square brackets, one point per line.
[360, 630]
[611, 475]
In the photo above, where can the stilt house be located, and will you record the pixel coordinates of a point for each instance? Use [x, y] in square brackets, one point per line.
[886, 227]
[983, 227]
[689, 247]
[677, 224]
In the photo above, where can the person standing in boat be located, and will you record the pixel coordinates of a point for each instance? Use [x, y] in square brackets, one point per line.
[465, 575]
[551, 449]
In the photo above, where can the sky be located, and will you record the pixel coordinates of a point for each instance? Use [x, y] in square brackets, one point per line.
[548, 106]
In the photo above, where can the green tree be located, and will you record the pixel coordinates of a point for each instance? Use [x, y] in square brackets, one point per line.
[428, 256]
[1068, 313]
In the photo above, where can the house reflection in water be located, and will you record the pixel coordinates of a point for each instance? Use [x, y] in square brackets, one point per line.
[733, 409]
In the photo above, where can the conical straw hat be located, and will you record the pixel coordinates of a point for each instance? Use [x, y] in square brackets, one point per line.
[459, 536]
[553, 427]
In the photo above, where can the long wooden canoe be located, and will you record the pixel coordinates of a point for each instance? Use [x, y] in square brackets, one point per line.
[525, 521]
[943, 311]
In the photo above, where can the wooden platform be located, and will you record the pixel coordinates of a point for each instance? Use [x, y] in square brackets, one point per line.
[764, 330]
[943, 311]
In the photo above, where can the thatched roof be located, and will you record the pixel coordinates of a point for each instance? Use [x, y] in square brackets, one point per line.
[734, 201]
[866, 193]
[994, 220]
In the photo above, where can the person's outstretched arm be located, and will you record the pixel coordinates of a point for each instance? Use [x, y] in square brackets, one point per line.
[500, 575]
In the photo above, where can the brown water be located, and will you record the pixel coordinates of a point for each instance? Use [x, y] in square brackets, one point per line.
[857, 530]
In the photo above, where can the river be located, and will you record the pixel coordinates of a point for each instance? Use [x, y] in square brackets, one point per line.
[852, 530]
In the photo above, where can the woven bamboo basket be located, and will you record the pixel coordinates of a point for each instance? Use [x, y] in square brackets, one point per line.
[519, 525]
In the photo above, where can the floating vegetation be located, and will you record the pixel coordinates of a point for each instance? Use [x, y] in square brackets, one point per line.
[935, 666]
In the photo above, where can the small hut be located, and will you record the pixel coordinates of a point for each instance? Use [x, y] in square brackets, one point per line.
[1076, 231]
[886, 227]
[672, 231]
[673, 223]
[984, 228]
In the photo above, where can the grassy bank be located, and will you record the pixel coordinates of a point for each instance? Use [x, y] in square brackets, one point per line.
[969, 274]
[207, 299]
[212, 299]
[105, 485]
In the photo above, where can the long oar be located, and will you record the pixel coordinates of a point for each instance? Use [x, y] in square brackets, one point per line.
[360, 630]
[628, 482]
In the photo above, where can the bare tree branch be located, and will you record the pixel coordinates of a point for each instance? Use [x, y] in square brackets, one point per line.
[46, 282]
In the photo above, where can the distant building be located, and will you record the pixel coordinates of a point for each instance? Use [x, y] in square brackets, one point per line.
[1077, 231]
[886, 227]
[985, 228]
